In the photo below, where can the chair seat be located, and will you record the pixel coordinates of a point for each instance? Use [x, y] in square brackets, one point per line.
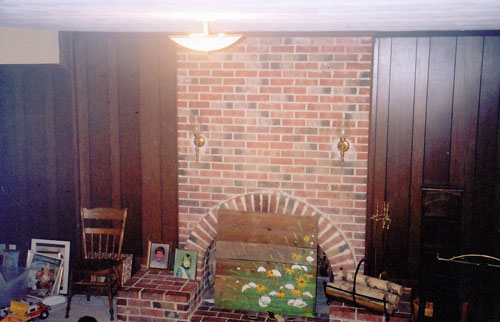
[95, 266]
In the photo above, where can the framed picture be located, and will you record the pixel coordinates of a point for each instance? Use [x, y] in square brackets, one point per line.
[57, 249]
[44, 274]
[158, 255]
[10, 258]
[185, 263]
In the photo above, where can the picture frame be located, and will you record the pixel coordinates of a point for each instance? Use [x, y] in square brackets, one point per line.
[159, 255]
[185, 263]
[53, 248]
[10, 258]
[44, 274]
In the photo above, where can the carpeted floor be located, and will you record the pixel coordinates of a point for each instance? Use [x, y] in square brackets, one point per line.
[97, 307]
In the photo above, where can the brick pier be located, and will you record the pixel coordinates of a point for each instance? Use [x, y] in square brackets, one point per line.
[157, 296]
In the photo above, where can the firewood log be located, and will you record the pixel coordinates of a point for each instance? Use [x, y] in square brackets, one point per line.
[368, 292]
[371, 282]
[361, 300]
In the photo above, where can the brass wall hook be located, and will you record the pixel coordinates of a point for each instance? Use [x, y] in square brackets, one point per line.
[343, 146]
[383, 215]
[199, 141]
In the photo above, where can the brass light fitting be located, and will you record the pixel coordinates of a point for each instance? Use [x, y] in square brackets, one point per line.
[343, 147]
[199, 141]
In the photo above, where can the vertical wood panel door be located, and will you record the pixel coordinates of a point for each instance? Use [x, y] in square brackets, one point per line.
[125, 89]
[434, 151]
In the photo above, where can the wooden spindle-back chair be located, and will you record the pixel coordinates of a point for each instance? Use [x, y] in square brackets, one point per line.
[102, 239]
[103, 230]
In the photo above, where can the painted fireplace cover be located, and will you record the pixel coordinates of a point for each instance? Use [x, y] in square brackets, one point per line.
[266, 262]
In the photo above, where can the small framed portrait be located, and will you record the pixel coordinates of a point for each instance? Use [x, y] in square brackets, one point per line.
[158, 255]
[185, 263]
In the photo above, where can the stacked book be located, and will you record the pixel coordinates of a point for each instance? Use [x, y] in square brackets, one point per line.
[369, 292]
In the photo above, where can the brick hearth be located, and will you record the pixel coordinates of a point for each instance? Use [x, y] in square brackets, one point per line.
[158, 296]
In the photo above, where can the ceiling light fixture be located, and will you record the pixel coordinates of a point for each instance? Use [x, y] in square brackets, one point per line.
[205, 41]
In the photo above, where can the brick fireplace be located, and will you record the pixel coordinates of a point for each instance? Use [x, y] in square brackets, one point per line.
[272, 110]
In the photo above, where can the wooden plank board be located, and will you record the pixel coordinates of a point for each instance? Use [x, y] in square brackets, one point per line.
[267, 236]
[439, 110]
[228, 218]
[399, 140]
[287, 272]
[98, 118]
[260, 252]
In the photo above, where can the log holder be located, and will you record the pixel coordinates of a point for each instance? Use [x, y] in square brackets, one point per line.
[328, 301]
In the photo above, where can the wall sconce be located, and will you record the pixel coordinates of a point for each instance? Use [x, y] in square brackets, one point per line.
[199, 141]
[343, 147]
[205, 41]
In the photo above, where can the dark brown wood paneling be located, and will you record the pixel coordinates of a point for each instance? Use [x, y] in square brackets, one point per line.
[464, 126]
[378, 146]
[130, 153]
[439, 110]
[451, 144]
[13, 186]
[168, 138]
[465, 108]
[114, 120]
[37, 173]
[65, 155]
[124, 96]
[486, 228]
[34, 92]
[150, 123]
[399, 141]
[421, 69]
[50, 140]
[82, 120]
[98, 109]
[64, 151]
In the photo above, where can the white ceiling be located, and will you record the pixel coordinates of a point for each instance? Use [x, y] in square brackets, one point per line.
[250, 16]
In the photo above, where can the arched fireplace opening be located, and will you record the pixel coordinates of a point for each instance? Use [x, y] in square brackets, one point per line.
[336, 251]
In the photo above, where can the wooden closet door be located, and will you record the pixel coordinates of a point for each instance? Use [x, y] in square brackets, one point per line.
[434, 99]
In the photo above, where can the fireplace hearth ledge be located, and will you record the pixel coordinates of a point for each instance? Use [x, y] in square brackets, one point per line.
[158, 296]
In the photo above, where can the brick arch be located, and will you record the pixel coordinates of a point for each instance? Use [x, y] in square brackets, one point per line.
[331, 240]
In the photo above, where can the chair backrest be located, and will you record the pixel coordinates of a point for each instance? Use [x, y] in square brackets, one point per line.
[102, 232]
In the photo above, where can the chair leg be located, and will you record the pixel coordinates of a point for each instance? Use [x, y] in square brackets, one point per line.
[109, 280]
[110, 296]
[111, 311]
[70, 295]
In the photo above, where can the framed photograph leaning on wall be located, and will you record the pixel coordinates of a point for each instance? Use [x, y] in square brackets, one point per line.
[158, 255]
[56, 249]
[185, 263]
